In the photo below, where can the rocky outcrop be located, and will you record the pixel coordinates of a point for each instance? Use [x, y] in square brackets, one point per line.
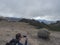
[43, 33]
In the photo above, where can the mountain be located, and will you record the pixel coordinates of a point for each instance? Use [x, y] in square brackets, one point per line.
[18, 19]
[36, 23]
[55, 26]
[46, 21]
[12, 19]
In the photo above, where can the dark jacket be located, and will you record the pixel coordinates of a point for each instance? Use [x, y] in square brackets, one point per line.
[15, 41]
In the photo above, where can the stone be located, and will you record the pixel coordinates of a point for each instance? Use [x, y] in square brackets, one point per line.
[44, 34]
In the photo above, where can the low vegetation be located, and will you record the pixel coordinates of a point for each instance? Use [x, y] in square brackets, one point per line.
[55, 26]
[37, 24]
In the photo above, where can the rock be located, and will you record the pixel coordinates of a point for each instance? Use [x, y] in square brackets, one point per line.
[43, 33]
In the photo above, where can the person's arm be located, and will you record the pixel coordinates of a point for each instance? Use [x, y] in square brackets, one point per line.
[26, 41]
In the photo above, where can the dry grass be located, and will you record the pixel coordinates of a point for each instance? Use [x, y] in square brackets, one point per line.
[9, 29]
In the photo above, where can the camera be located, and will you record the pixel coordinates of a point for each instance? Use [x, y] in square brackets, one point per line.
[24, 36]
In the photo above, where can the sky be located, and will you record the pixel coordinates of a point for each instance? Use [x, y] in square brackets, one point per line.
[37, 9]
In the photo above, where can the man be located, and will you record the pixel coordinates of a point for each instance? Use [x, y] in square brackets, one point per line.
[17, 39]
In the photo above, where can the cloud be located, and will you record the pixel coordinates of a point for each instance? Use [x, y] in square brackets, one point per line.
[50, 9]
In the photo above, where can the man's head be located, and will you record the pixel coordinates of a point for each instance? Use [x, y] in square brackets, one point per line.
[18, 36]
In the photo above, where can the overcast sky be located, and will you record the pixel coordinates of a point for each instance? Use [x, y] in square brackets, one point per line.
[38, 9]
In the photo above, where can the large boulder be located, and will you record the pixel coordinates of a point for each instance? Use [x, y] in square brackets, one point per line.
[43, 33]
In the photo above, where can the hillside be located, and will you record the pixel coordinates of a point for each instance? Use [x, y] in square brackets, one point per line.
[55, 26]
[9, 29]
[37, 24]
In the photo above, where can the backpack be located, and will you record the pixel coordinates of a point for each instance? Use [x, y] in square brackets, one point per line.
[12, 42]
